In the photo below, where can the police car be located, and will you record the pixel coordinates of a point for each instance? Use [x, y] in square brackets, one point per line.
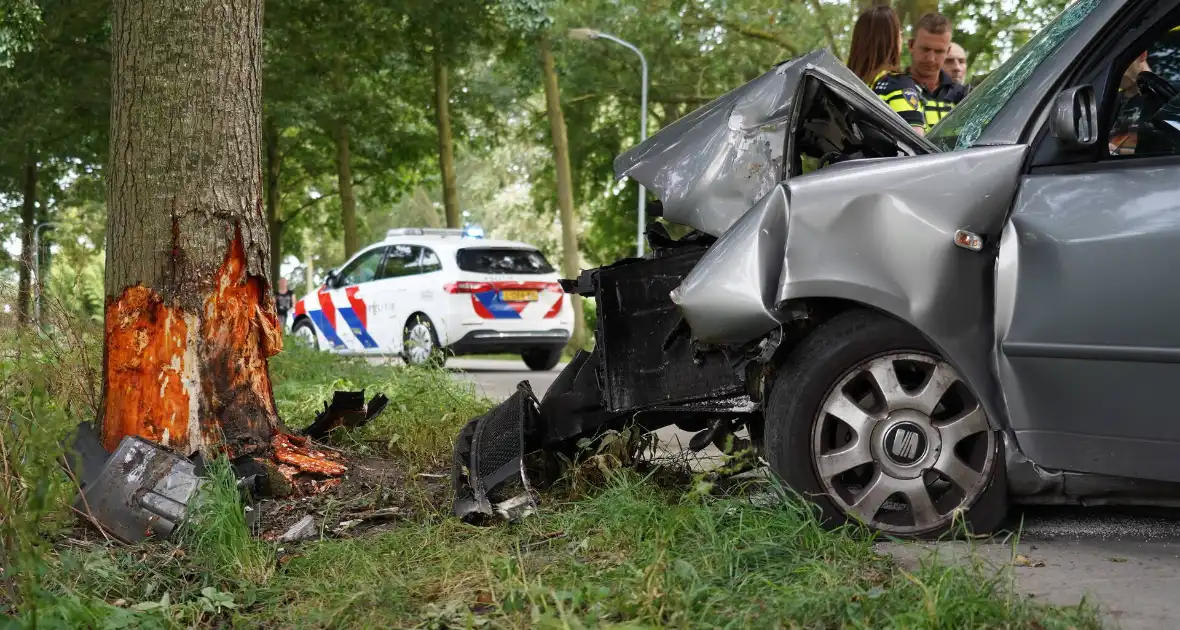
[424, 294]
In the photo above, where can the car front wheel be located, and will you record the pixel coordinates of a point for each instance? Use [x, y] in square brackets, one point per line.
[305, 334]
[541, 359]
[867, 420]
[420, 343]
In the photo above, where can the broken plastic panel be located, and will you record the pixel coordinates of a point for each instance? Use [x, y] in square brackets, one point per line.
[648, 357]
[142, 490]
[488, 476]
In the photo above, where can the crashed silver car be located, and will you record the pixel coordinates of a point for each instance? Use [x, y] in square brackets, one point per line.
[908, 328]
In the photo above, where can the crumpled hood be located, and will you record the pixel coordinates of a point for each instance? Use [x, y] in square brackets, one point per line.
[711, 166]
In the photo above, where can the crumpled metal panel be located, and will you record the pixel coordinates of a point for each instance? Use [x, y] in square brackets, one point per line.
[143, 490]
[880, 233]
[711, 166]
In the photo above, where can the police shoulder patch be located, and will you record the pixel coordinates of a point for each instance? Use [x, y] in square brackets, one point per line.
[911, 97]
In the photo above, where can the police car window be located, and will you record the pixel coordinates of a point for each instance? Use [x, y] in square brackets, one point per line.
[363, 269]
[402, 261]
[429, 261]
[1146, 117]
[502, 260]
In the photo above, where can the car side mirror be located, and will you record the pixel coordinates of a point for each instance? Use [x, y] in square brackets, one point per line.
[1075, 117]
[330, 279]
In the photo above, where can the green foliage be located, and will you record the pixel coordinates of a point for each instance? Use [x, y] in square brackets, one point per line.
[216, 535]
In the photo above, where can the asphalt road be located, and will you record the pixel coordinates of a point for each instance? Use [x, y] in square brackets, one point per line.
[1126, 562]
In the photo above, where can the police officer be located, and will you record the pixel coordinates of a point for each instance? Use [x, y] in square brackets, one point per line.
[875, 57]
[929, 46]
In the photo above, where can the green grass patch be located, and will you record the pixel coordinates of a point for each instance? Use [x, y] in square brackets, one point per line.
[636, 556]
[427, 407]
[624, 553]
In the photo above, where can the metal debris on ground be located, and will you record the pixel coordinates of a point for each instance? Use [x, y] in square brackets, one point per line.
[142, 490]
[304, 529]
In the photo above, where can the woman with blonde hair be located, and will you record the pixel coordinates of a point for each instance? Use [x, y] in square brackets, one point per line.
[875, 57]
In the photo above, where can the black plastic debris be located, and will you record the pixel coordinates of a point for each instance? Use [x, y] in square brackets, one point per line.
[85, 456]
[348, 410]
[647, 355]
[488, 473]
[142, 490]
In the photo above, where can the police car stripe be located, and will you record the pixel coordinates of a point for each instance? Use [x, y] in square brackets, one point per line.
[358, 328]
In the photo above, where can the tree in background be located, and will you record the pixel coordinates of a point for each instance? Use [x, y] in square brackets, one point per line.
[190, 319]
[530, 19]
[55, 115]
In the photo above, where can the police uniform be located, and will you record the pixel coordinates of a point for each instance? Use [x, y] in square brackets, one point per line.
[901, 94]
[937, 104]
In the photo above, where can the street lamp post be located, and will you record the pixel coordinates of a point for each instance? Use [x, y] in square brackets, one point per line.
[589, 33]
[37, 269]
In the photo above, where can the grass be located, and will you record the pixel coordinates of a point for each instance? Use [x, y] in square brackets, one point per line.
[636, 556]
[623, 551]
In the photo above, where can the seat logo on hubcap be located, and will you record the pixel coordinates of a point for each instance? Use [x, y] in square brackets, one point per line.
[905, 443]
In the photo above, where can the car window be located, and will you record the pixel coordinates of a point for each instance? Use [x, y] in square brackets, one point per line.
[402, 261]
[966, 123]
[1146, 116]
[363, 269]
[502, 260]
[430, 261]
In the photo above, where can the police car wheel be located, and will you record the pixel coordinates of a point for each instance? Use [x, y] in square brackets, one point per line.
[305, 333]
[541, 359]
[420, 343]
[867, 420]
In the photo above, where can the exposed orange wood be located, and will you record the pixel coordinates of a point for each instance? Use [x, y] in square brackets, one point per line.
[146, 353]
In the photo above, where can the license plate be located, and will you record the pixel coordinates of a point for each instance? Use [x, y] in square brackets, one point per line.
[519, 296]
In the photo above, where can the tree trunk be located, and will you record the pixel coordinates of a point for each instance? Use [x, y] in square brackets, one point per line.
[344, 184]
[565, 187]
[446, 157]
[190, 319]
[817, 6]
[28, 218]
[274, 164]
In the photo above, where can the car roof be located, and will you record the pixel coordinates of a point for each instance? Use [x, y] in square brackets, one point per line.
[448, 242]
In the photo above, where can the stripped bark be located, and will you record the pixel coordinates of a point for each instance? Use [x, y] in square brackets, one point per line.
[190, 320]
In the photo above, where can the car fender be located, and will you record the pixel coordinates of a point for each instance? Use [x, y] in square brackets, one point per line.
[879, 233]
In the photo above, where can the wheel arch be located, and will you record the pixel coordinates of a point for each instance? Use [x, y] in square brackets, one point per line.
[438, 334]
[299, 319]
[810, 313]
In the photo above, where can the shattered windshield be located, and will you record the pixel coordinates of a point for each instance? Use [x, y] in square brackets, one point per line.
[962, 128]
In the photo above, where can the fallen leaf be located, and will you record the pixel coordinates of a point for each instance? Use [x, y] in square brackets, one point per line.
[1022, 560]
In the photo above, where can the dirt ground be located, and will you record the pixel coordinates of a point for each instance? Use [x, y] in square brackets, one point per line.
[374, 495]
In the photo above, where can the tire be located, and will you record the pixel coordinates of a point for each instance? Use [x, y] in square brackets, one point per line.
[848, 351]
[418, 332]
[303, 329]
[542, 359]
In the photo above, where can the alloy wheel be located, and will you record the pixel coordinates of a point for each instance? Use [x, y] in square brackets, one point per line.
[901, 443]
[419, 343]
[304, 334]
